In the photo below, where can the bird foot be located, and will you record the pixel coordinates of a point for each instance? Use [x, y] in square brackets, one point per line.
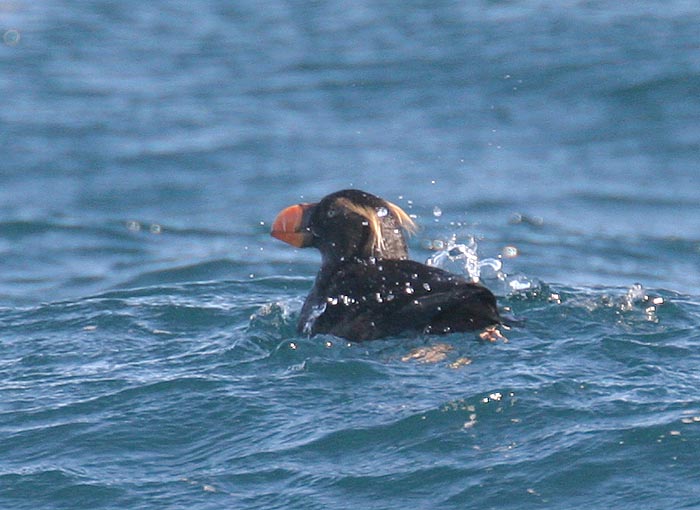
[492, 334]
[431, 354]
[435, 354]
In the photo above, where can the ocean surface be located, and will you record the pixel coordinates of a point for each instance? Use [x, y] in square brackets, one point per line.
[148, 351]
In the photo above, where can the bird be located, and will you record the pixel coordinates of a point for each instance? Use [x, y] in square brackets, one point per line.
[367, 287]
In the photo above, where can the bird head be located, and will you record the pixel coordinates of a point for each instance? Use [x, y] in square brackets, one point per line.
[347, 224]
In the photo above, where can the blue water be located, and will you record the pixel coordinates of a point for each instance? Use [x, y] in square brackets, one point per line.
[148, 354]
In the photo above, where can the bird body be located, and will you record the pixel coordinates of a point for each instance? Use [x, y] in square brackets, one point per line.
[366, 287]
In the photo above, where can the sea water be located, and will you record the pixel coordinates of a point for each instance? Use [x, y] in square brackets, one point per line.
[148, 348]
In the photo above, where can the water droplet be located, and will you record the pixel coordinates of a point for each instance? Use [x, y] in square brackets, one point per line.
[11, 37]
[437, 212]
[156, 229]
[519, 218]
[510, 252]
[134, 226]
[426, 286]
[382, 211]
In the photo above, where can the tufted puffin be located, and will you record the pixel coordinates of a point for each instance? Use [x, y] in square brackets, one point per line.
[366, 287]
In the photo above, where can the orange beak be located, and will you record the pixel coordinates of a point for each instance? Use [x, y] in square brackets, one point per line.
[291, 226]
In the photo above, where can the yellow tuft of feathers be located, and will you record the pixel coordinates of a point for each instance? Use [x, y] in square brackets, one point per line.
[374, 220]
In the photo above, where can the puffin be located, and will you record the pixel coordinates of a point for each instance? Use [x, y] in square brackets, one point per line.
[367, 287]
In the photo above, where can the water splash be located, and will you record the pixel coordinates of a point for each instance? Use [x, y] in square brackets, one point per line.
[462, 258]
[316, 312]
[272, 316]
[637, 296]
[518, 283]
[634, 293]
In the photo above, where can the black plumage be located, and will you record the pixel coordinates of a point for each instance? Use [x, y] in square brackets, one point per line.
[366, 287]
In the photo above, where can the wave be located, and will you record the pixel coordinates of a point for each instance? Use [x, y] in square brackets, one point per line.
[205, 390]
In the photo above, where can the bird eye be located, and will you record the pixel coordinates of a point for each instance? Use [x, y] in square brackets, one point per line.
[332, 212]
